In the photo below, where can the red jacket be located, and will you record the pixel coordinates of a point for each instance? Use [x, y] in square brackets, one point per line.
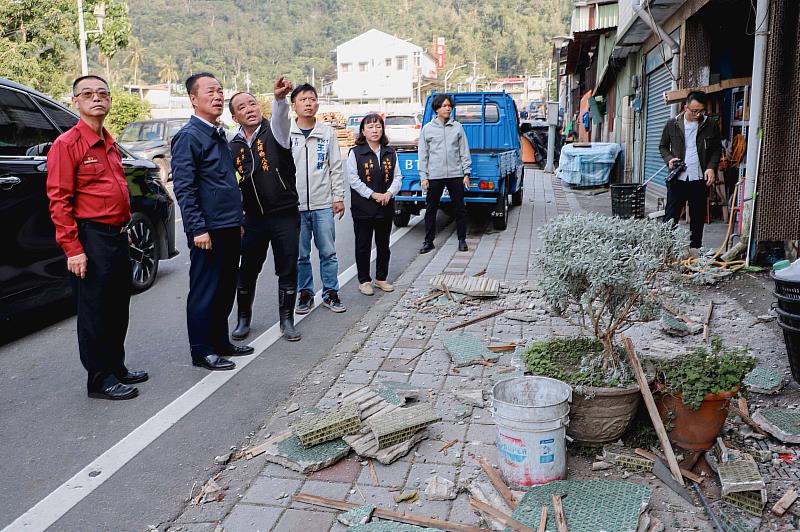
[85, 181]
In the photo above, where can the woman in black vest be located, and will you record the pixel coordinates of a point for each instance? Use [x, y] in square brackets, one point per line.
[374, 177]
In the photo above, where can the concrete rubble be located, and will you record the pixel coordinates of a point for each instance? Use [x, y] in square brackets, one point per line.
[440, 489]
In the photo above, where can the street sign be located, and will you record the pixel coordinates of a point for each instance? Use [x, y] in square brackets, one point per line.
[440, 53]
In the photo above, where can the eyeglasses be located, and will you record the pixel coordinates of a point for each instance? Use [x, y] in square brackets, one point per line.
[88, 94]
[697, 112]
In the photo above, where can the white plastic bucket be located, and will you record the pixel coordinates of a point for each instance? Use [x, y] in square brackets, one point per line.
[531, 415]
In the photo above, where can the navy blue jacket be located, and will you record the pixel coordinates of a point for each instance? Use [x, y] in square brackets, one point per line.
[204, 179]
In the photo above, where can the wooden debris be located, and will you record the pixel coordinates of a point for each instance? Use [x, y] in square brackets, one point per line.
[406, 496]
[505, 370]
[644, 389]
[498, 484]
[480, 318]
[506, 519]
[484, 492]
[784, 503]
[480, 273]
[707, 320]
[543, 520]
[685, 472]
[743, 408]
[386, 514]
[747, 419]
[412, 359]
[558, 509]
[502, 348]
[373, 473]
[447, 445]
[430, 297]
[447, 292]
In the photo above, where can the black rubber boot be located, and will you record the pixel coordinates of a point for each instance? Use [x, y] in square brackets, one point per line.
[286, 299]
[244, 303]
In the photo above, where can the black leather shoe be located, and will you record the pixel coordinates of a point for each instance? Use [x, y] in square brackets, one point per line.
[237, 351]
[462, 245]
[427, 247]
[213, 362]
[132, 377]
[115, 392]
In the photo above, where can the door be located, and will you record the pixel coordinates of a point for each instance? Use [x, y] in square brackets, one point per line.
[32, 265]
[657, 113]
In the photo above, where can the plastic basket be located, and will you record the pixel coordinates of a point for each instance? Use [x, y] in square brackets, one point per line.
[627, 200]
[787, 304]
[787, 289]
[791, 335]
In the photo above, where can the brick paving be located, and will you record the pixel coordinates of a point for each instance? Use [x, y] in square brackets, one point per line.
[391, 352]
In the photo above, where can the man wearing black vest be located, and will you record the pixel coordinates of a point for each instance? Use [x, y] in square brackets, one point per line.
[266, 172]
[374, 178]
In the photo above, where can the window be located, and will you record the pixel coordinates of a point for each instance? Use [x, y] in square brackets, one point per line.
[173, 127]
[63, 119]
[389, 62]
[402, 62]
[363, 66]
[346, 67]
[417, 59]
[470, 113]
[24, 130]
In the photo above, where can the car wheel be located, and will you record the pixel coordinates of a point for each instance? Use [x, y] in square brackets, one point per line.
[516, 197]
[500, 216]
[163, 169]
[402, 219]
[143, 252]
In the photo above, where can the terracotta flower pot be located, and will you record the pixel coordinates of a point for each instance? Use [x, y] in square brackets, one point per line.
[605, 416]
[694, 429]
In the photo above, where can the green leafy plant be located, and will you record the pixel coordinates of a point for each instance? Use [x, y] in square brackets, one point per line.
[576, 361]
[608, 268]
[125, 108]
[703, 372]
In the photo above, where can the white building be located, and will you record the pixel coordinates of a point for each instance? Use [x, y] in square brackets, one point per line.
[379, 69]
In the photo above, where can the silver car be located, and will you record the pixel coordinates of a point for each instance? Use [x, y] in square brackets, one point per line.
[150, 139]
[403, 130]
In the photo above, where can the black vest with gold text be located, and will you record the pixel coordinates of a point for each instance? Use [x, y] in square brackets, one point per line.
[378, 176]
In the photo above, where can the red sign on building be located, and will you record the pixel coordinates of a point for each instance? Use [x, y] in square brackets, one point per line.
[439, 53]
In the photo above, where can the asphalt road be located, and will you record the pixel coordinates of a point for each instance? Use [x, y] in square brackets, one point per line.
[51, 430]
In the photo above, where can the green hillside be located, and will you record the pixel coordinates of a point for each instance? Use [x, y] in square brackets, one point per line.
[172, 38]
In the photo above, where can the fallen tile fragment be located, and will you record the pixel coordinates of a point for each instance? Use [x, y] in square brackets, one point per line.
[740, 475]
[320, 428]
[521, 315]
[782, 423]
[285, 449]
[763, 380]
[466, 350]
[467, 285]
[390, 526]
[471, 397]
[294, 407]
[440, 489]
[356, 516]
[752, 502]
[401, 424]
[222, 459]
[601, 466]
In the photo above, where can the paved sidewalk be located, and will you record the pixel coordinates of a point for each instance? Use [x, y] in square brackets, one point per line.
[387, 353]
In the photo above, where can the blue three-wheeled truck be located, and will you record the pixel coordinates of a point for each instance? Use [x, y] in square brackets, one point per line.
[491, 122]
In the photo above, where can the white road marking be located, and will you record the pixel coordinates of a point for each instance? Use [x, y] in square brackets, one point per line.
[50, 509]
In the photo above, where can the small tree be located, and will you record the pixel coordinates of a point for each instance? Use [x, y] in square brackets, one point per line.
[608, 268]
[125, 108]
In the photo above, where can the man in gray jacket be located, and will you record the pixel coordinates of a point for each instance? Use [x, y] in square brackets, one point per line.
[444, 161]
[320, 187]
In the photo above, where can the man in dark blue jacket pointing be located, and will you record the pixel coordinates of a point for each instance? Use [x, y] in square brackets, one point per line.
[205, 186]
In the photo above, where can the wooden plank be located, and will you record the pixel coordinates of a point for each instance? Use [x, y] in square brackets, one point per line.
[784, 503]
[644, 389]
[543, 520]
[499, 485]
[743, 406]
[429, 297]
[501, 348]
[480, 318]
[685, 472]
[747, 419]
[558, 509]
[681, 94]
[337, 504]
[497, 515]
[707, 321]
[447, 292]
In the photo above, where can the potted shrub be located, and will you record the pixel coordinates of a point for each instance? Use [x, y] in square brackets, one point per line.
[695, 392]
[608, 271]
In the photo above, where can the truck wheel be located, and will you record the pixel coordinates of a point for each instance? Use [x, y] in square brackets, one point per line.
[516, 197]
[163, 169]
[500, 215]
[402, 219]
[143, 252]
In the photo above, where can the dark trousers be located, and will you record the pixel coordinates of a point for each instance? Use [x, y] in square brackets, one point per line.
[103, 297]
[364, 229]
[695, 192]
[455, 187]
[282, 231]
[212, 288]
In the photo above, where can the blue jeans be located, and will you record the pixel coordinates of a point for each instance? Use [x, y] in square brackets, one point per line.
[321, 224]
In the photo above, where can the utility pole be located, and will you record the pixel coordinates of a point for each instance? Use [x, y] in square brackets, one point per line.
[247, 81]
[473, 86]
[313, 77]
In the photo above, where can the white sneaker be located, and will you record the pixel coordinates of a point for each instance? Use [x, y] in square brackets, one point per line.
[384, 285]
[366, 289]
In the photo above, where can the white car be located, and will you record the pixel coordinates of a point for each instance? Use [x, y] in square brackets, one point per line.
[403, 130]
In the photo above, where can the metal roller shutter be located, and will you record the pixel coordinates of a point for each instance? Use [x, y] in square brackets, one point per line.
[656, 115]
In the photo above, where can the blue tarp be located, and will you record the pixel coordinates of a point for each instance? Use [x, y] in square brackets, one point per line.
[588, 166]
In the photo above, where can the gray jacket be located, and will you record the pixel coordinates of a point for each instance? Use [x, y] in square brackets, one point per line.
[318, 161]
[443, 151]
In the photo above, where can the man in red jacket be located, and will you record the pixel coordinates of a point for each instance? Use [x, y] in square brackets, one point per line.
[90, 207]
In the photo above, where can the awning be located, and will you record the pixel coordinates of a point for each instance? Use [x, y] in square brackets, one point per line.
[594, 16]
[634, 30]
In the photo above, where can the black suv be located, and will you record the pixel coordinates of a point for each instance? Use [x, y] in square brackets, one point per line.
[33, 268]
[151, 140]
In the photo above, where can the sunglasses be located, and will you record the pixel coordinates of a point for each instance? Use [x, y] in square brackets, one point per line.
[88, 94]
